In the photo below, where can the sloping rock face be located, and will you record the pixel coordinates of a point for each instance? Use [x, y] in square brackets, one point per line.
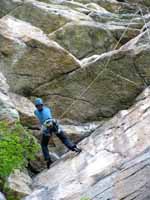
[114, 163]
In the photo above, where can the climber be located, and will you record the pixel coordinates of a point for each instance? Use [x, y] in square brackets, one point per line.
[49, 126]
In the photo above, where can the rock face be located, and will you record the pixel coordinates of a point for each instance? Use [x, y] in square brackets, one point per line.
[67, 67]
[8, 111]
[88, 38]
[115, 77]
[20, 184]
[48, 17]
[114, 163]
[88, 60]
[25, 108]
[7, 6]
[27, 51]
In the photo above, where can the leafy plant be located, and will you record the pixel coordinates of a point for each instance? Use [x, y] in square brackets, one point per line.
[85, 198]
[17, 146]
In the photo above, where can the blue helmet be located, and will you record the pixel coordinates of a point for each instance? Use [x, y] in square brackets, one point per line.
[38, 101]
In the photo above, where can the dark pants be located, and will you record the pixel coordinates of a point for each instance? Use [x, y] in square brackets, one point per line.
[61, 136]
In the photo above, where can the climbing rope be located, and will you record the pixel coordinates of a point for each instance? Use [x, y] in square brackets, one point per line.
[145, 23]
[102, 71]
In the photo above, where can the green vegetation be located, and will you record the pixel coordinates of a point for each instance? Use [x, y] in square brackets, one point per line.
[85, 198]
[17, 146]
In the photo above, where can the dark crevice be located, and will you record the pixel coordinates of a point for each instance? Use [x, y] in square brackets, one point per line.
[129, 127]
[32, 171]
[5, 54]
[58, 76]
[21, 74]
[115, 152]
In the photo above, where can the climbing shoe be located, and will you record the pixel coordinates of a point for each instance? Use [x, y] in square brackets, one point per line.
[78, 150]
[49, 162]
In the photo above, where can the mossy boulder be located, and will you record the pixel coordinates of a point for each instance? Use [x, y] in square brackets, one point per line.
[29, 58]
[104, 85]
[6, 6]
[83, 39]
[48, 17]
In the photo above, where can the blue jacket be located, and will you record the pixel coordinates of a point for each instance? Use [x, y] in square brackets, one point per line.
[44, 114]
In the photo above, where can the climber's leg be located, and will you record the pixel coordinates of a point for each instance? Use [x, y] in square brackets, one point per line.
[44, 146]
[66, 141]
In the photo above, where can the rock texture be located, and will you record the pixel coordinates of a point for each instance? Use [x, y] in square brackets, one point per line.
[8, 111]
[48, 17]
[116, 78]
[88, 38]
[20, 184]
[114, 163]
[25, 108]
[6, 6]
[67, 66]
[27, 51]
[88, 60]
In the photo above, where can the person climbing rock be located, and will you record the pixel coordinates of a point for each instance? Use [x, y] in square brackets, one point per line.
[49, 126]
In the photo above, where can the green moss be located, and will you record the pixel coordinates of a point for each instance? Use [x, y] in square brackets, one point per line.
[17, 146]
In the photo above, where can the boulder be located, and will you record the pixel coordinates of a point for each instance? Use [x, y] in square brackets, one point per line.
[19, 184]
[29, 58]
[84, 39]
[73, 5]
[114, 163]
[25, 108]
[116, 6]
[6, 6]
[104, 85]
[48, 17]
[135, 20]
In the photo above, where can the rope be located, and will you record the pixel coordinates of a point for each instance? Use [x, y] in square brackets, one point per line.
[145, 23]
